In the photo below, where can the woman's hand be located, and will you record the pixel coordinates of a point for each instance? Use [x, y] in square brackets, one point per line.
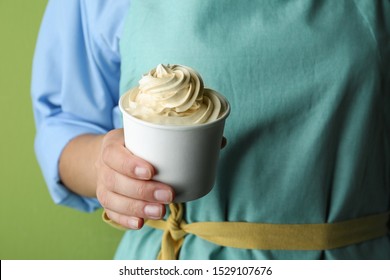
[100, 166]
[124, 184]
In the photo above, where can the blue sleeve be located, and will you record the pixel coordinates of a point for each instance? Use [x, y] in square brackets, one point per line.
[75, 82]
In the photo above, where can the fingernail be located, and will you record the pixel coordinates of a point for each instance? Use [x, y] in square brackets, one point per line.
[134, 223]
[152, 211]
[142, 173]
[163, 196]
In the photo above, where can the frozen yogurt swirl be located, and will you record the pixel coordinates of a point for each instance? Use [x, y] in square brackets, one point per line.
[174, 95]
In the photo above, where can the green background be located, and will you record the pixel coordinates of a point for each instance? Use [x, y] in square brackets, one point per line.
[32, 227]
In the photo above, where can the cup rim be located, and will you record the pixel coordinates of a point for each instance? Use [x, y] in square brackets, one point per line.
[172, 126]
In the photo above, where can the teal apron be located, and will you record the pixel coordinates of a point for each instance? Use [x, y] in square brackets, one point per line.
[308, 134]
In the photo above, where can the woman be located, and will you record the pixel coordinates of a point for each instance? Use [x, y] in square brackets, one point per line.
[308, 83]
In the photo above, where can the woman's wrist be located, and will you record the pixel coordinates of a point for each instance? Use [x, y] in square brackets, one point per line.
[77, 164]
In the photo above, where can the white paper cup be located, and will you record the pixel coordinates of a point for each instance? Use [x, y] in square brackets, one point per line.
[185, 157]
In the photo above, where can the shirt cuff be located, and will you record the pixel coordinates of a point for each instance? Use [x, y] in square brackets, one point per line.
[51, 138]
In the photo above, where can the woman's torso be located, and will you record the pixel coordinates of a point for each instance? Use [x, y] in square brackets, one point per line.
[308, 134]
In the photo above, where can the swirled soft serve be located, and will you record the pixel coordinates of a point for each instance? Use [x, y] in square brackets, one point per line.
[174, 95]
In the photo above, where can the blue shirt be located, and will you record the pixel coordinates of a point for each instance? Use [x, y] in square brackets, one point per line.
[69, 101]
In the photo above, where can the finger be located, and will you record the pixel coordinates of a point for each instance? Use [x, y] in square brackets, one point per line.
[125, 221]
[116, 156]
[150, 191]
[130, 207]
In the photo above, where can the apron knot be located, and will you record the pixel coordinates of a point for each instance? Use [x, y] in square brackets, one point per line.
[175, 222]
[173, 234]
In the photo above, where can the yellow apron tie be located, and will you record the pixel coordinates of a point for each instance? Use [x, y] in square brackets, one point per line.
[262, 236]
[174, 233]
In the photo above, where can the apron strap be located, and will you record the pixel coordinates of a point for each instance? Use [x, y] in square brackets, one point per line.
[263, 236]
